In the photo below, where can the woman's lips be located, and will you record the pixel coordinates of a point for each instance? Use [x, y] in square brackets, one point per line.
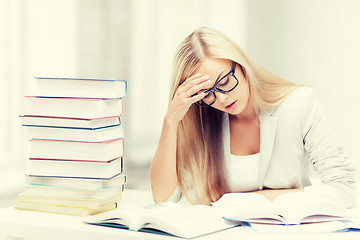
[232, 105]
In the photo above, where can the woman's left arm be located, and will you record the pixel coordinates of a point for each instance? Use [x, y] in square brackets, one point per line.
[336, 170]
[271, 194]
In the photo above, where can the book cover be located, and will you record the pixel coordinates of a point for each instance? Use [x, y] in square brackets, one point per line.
[88, 108]
[69, 192]
[74, 211]
[76, 150]
[77, 182]
[80, 169]
[80, 87]
[68, 201]
[76, 134]
[85, 123]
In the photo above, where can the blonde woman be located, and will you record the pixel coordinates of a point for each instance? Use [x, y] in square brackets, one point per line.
[232, 126]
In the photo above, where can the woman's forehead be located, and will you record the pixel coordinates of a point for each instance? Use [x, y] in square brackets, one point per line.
[213, 67]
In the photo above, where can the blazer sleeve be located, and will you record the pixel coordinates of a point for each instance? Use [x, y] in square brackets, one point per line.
[336, 170]
[176, 195]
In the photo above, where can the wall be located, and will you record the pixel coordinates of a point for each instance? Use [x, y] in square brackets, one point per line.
[305, 41]
[156, 28]
[316, 42]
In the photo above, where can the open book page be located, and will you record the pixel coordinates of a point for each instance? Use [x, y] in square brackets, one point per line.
[301, 207]
[322, 227]
[290, 208]
[352, 224]
[249, 207]
[171, 218]
[188, 222]
[133, 217]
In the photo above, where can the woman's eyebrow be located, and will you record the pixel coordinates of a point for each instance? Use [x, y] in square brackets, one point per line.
[217, 79]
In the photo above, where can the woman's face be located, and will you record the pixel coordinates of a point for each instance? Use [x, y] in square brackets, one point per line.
[233, 102]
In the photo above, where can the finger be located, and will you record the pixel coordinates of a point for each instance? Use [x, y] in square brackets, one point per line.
[197, 97]
[192, 78]
[189, 83]
[197, 75]
[201, 87]
[196, 80]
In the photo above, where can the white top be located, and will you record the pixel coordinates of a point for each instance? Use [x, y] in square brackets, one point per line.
[294, 134]
[243, 172]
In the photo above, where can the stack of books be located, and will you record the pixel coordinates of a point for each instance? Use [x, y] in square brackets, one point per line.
[76, 144]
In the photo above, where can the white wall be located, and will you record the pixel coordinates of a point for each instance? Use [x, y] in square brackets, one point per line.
[37, 39]
[157, 28]
[305, 41]
[315, 42]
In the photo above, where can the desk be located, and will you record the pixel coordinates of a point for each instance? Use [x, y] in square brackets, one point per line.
[28, 225]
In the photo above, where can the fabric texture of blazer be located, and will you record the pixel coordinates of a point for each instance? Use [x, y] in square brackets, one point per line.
[294, 136]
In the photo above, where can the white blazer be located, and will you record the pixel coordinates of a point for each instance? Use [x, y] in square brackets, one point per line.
[294, 136]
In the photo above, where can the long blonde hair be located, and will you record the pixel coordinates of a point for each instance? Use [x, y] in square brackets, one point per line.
[200, 150]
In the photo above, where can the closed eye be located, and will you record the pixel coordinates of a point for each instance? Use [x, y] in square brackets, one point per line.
[208, 95]
[224, 82]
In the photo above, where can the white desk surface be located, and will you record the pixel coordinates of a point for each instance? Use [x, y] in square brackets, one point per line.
[30, 225]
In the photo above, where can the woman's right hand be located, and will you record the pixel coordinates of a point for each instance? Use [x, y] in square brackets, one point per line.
[187, 94]
[163, 173]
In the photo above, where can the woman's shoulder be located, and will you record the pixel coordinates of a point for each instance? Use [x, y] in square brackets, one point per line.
[302, 93]
[301, 99]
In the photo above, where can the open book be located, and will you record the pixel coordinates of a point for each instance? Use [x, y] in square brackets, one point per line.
[321, 227]
[290, 208]
[165, 218]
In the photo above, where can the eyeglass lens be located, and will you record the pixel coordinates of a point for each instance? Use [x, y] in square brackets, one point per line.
[226, 84]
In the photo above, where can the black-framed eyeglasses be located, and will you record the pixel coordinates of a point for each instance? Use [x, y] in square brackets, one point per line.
[224, 85]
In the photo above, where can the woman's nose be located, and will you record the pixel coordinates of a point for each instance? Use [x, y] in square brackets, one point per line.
[221, 97]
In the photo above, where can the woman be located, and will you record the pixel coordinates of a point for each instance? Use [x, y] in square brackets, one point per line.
[232, 126]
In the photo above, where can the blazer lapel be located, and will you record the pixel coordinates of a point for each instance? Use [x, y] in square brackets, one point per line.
[226, 140]
[268, 125]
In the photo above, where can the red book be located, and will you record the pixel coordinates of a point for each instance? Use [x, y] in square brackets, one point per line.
[72, 107]
[75, 150]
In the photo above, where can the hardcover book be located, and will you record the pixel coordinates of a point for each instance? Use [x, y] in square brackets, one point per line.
[88, 108]
[77, 182]
[75, 211]
[73, 168]
[76, 134]
[68, 201]
[64, 192]
[76, 150]
[76, 146]
[80, 87]
[85, 123]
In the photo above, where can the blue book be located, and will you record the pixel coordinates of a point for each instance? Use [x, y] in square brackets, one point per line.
[80, 88]
[76, 134]
[94, 123]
